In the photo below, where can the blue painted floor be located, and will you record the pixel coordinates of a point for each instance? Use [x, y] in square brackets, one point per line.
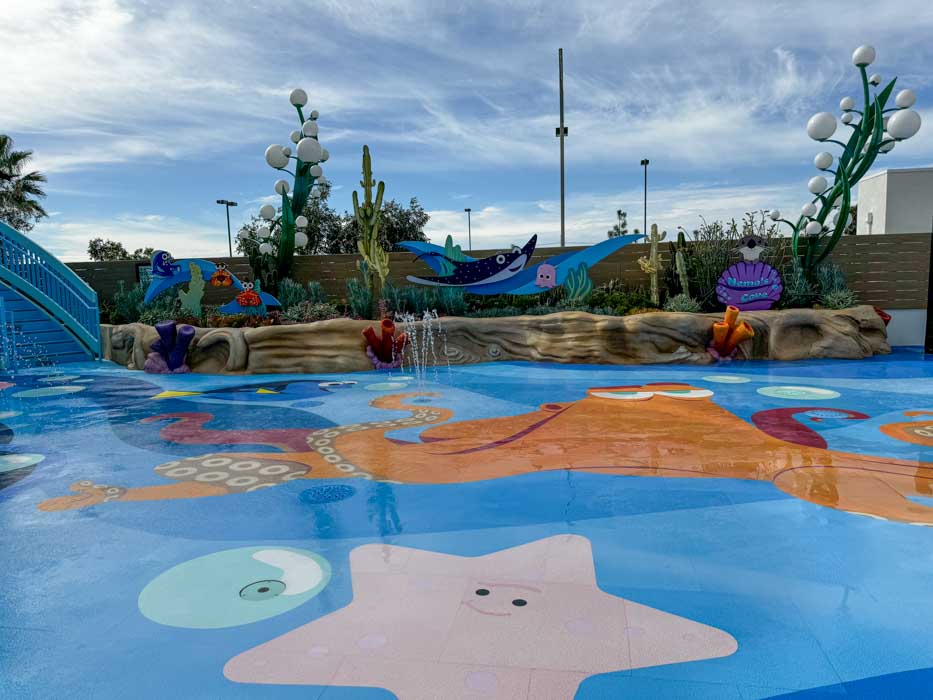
[156, 598]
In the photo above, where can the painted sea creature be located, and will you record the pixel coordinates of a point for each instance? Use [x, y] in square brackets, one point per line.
[248, 297]
[234, 587]
[529, 621]
[163, 265]
[221, 277]
[547, 276]
[385, 350]
[525, 281]
[750, 285]
[918, 432]
[169, 353]
[660, 429]
[495, 268]
[14, 466]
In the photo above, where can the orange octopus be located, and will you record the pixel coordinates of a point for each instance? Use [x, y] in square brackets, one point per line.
[664, 429]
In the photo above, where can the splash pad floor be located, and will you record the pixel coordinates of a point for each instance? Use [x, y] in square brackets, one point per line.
[496, 531]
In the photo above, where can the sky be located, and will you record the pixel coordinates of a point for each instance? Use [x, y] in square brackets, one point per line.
[143, 113]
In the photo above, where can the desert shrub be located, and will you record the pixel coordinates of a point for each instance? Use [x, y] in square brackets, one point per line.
[614, 295]
[682, 302]
[839, 299]
[291, 293]
[316, 293]
[830, 278]
[449, 301]
[359, 295]
[127, 303]
[309, 311]
[165, 307]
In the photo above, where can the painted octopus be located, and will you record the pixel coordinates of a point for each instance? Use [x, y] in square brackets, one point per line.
[663, 429]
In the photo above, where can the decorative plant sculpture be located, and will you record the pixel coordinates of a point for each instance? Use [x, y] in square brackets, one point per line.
[825, 217]
[368, 217]
[191, 299]
[578, 285]
[652, 264]
[169, 353]
[271, 260]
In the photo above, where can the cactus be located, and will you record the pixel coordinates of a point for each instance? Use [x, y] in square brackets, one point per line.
[191, 300]
[578, 285]
[652, 264]
[453, 252]
[368, 217]
[679, 254]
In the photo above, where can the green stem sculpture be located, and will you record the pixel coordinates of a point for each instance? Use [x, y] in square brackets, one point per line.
[679, 250]
[873, 134]
[368, 217]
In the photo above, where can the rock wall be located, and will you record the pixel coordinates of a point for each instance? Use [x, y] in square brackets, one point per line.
[572, 337]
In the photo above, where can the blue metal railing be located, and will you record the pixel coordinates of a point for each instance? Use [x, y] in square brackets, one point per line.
[46, 281]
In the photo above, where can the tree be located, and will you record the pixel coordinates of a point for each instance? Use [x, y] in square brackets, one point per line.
[100, 250]
[621, 228]
[398, 223]
[20, 191]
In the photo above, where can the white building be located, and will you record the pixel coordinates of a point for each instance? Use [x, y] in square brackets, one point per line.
[895, 201]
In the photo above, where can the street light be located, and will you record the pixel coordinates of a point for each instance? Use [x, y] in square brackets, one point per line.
[227, 204]
[644, 162]
[469, 230]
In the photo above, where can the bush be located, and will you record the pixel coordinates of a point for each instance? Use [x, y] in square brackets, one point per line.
[449, 301]
[839, 299]
[316, 293]
[309, 311]
[291, 293]
[614, 295]
[127, 304]
[682, 302]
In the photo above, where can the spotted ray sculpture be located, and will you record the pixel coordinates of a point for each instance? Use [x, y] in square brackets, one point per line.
[501, 278]
[530, 619]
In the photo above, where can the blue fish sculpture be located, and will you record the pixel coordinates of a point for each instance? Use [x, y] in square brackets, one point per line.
[163, 264]
[466, 273]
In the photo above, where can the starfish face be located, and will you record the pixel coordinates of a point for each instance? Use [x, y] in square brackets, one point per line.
[428, 625]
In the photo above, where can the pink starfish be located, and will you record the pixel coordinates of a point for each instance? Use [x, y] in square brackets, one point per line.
[526, 622]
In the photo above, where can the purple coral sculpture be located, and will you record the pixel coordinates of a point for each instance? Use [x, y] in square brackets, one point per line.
[169, 352]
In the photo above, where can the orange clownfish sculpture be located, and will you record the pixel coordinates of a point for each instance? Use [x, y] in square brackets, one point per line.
[248, 297]
[221, 277]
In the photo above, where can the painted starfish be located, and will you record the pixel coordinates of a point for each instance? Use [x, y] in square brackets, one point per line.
[526, 622]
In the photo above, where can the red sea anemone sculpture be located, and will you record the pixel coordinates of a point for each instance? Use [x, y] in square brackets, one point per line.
[385, 352]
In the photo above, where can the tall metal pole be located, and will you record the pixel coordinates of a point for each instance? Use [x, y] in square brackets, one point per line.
[469, 230]
[644, 162]
[561, 132]
[227, 204]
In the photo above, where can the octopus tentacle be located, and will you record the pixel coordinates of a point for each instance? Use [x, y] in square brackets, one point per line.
[187, 429]
[781, 424]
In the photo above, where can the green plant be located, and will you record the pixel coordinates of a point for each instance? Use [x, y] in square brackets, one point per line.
[839, 299]
[578, 285]
[360, 292]
[652, 263]
[830, 278]
[367, 218]
[682, 302]
[165, 307]
[127, 303]
[309, 311]
[316, 293]
[291, 293]
[191, 299]
[615, 296]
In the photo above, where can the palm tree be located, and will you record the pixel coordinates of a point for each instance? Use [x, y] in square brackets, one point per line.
[19, 191]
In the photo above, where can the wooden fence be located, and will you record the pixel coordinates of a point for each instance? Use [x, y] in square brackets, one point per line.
[890, 271]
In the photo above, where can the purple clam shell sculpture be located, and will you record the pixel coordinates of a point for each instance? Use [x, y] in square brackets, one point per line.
[751, 286]
[169, 352]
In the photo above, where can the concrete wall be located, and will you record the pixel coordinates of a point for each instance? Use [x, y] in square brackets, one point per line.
[907, 326]
[900, 201]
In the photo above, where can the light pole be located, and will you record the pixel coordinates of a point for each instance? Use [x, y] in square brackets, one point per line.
[644, 162]
[227, 204]
[469, 230]
[561, 133]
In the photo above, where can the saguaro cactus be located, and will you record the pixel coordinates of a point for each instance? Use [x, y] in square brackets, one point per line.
[652, 264]
[368, 216]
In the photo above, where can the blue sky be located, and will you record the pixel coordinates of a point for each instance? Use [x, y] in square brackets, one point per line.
[142, 114]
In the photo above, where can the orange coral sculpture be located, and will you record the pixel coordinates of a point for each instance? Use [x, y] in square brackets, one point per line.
[728, 333]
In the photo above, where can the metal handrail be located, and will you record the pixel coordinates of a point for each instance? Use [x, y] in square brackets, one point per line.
[38, 275]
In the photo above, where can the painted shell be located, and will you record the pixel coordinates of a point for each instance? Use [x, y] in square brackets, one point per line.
[751, 286]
